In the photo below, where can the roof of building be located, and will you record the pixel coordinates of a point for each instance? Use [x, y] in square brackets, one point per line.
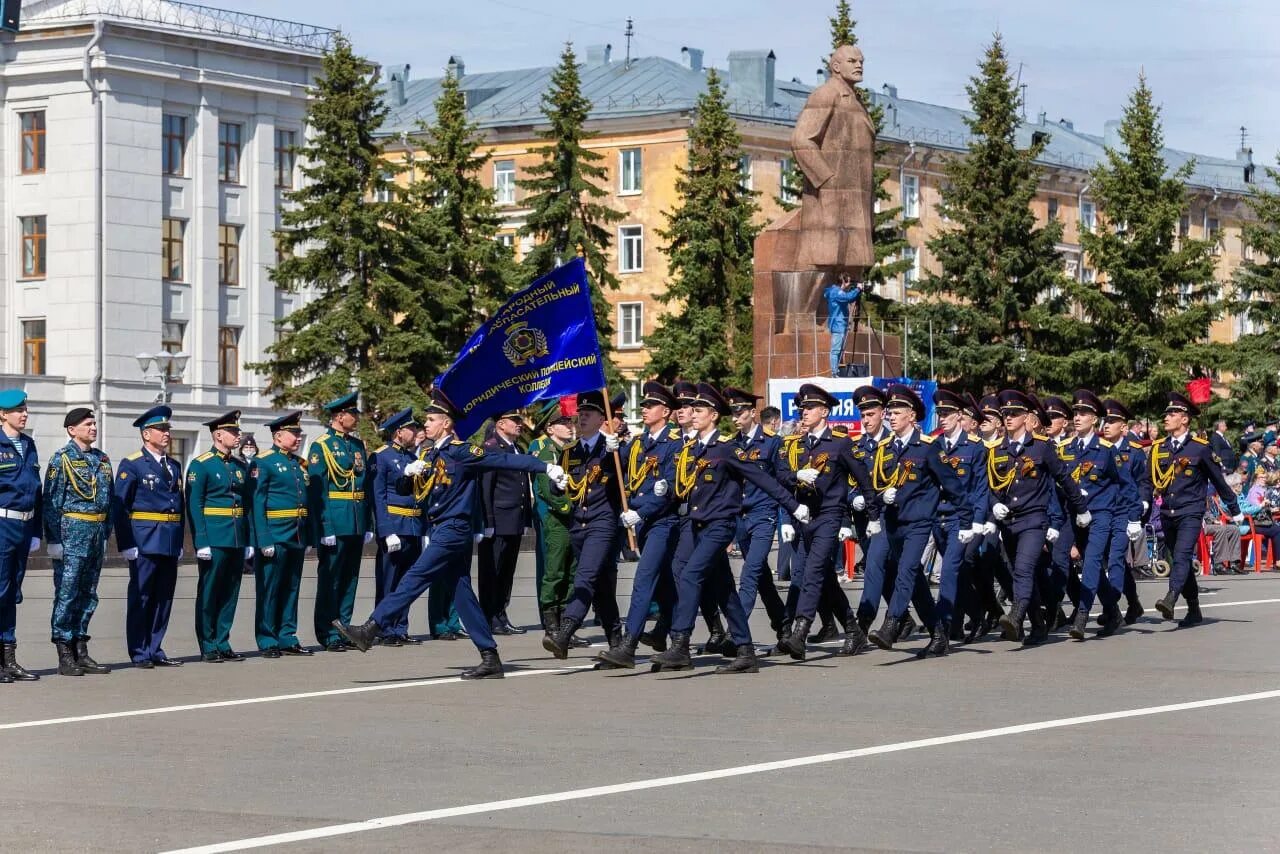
[657, 85]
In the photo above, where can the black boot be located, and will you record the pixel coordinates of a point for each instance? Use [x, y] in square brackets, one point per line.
[940, 644]
[826, 633]
[1165, 605]
[1111, 621]
[67, 660]
[1133, 613]
[549, 620]
[621, 654]
[855, 641]
[1061, 619]
[675, 658]
[1039, 628]
[906, 627]
[9, 665]
[1078, 625]
[1193, 617]
[989, 622]
[558, 643]
[885, 636]
[361, 637]
[783, 632]
[744, 662]
[1011, 623]
[86, 662]
[5, 678]
[490, 667]
[718, 642]
[793, 644]
[656, 638]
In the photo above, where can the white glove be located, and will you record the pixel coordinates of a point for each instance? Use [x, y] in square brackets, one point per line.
[181, 552]
[807, 476]
[368, 537]
[558, 476]
[873, 528]
[966, 535]
[329, 540]
[802, 514]
[268, 551]
[426, 541]
[1238, 518]
[205, 553]
[1134, 531]
[788, 533]
[844, 534]
[611, 442]
[129, 554]
[477, 538]
[1051, 535]
[55, 551]
[1000, 511]
[248, 552]
[630, 519]
[1083, 520]
[487, 533]
[988, 528]
[659, 488]
[1146, 505]
[415, 468]
[890, 495]
[979, 529]
[392, 542]
[859, 503]
[35, 545]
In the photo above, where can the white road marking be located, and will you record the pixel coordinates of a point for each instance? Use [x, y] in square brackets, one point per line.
[384, 822]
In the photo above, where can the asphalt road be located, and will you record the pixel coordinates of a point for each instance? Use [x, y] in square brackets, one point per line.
[992, 748]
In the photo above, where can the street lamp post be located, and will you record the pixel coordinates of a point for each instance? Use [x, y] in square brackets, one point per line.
[163, 363]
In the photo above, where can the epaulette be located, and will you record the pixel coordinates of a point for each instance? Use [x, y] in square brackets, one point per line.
[927, 439]
[725, 437]
[207, 455]
[768, 432]
[1040, 436]
[457, 441]
[381, 448]
[840, 430]
[973, 437]
[673, 433]
[886, 440]
[136, 455]
[268, 452]
[1104, 443]
[1198, 439]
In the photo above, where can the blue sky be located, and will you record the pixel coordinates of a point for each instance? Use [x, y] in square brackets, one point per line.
[1213, 66]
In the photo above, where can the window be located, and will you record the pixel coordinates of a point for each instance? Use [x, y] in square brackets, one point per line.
[631, 249]
[630, 170]
[508, 241]
[630, 324]
[228, 355]
[33, 340]
[789, 181]
[33, 142]
[229, 152]
[34, 249]
[173, 154]
[1088, 216]
[1184, 225]
[284, 159]
[1053, 209]
[385, 187]
[911, 275]
[229, 254]
[634, 395]
[504, 182]
[745, 171]
[171, 250]
[1088, 275]
[910, 196]
[1215, 234]
[283, 252]
[172, 334]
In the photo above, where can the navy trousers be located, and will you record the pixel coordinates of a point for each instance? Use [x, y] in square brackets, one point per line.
[658, 541]
[1024, 548]
[392, 567]
[152, 579]
[15, 544]
[954, 584]
[595, 583]
[702, 547]
[1181, 533]
[755, 540]
[1102, 575]
[907, 543]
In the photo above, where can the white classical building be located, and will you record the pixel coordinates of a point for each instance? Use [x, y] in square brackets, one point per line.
[145, 145]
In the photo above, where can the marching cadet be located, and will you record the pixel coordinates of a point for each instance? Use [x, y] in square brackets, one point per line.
[1106, 483]
[917, 484]
[554, 512]
[1182, 467]
[281, 536]
[710, 475]
[397, 520]
[341, 514]
[1115, 429]
[1022, 471]
[817, 465]
[218, 507]
[989, 568]
[446, 478]
[505, 499]
[148, 516]
[21, 523]
[77, 522]
[870, 402]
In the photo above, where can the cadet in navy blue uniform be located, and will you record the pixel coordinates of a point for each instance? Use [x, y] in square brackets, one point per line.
[597, 498]
[21, 522]
[710, 475]
[650, 471]
[448, 475]
[817, 466]
[1063, 574]
[989, 568]
[148, 517]
[1115, 429]
[1182, 467]
[918, 482]
[1022, 471]
[1112, 498]
[397, 518]
[508, 511]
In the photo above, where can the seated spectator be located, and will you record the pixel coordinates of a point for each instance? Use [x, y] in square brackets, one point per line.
[1227, 557]
[1262, 504]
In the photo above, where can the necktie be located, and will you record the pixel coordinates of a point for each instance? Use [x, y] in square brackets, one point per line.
[949, 445]
[1017, 448]
[897, 446]
[813, 441]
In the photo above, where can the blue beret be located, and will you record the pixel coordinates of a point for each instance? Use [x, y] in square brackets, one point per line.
[12, 398]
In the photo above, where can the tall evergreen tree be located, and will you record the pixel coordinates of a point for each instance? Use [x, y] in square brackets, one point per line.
[708, 331]
[842, 24]
[566, 215]
[991, 301]
[339, 238]
[1149, 317]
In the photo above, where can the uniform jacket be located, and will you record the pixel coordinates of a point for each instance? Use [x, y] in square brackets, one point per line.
[504, 494]
[762, 449]
[279, 499]
[967, 459]
[218, 501]
[1220, 446]
[1024, 480]
[338, 468]
[394, 511]
[593, 481]
[77, 482]
[448, 489]
[1135, 458]
[922, 479]
[20, 484]
[647, 460]
[1182, 478]
[710, 477]
[149, 510]
[548, 501]
[834, 459]
[1105, 481]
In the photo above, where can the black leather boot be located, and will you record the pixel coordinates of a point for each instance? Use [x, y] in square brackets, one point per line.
[1078, 625]
[621, 654]
[5, 678]
[558, 643]
[67, 660]
[855, 641]
[1134, 612]
[718, 642]
[490, 667]
[828, 632]
[1039, 628]
[1165, 605]
[793, 645]
[549, 620]
[361, 637]
[1110, 622]
[906, 627]
[86, 662]
[1011, 623]
[1193, 617]
[675, 658]
[940, 644]
[783, 632]
[1061, 619]
[885, 636]
[10, 667]
[656, 637]
[744, 662]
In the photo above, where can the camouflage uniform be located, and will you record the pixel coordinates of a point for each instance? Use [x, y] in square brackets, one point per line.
[77, 515]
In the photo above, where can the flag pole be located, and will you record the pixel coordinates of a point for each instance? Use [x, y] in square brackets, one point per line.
[617, 467]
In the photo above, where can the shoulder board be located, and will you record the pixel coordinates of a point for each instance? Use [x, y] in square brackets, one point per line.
[1198, 439]
[673, 433]
[268, 452]
[973, 437]
[1040, 436]
[725, 437]
[885, 441]
[768, 432]
[457, 442]
[992, 443]
[207, 455]
[840, 431]
[136, 455]
[1104, 443]
[926, 438]
[1160, 440]
[381, 448]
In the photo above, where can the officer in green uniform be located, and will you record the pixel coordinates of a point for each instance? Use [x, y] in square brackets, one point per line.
[555, 514]
[77, 522]
[281, 537]
[219, 490]
[342, 513]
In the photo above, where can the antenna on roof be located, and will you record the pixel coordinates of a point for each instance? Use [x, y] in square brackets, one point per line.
[630, 31]
[1022, 87]
[1244, 137]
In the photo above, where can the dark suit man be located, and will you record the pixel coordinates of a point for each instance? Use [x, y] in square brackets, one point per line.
[1219, 445]
[507, 504]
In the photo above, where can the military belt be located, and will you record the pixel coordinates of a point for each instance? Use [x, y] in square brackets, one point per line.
[347, 496]
[402, 511]
[235, 512]
[291, 513]
[20, 515]
[143, 516]
[86, 517]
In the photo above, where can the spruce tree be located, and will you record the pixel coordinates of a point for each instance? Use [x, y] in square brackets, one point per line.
[566, 215]
[340, 240]
[842, 24]
[707, 332]
[988, 303]
[1150, 312]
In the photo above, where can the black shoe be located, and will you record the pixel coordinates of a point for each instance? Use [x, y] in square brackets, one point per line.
[906, 627]
[490, 667]
[145, 664]
[988, 623]
[794, 644]
[622, 654]
[1165, 605]
[5, 678]
[719, 644]
[166, 662]
[654, 639]
[230, 655]
[1193, 617]
[85, 661]
[855, 641]
[1133, 613]
[885, 636]
[1011, 623]
[496, 627]
[675, 658]
[744, 662]
[447, 636]
[576, 642]
[272, 653]
[211, 657]
[359, 637]
[1078, 625]
[1060, 619]
[10, 667]
[393, 640]
[557, 643]
[940, 644]
[1111, 622]
[295, 650]
[410, 640]
[336, 646]
[828, 632]
[512, 628]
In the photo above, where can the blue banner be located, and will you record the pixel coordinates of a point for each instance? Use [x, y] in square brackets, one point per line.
[542, 343]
